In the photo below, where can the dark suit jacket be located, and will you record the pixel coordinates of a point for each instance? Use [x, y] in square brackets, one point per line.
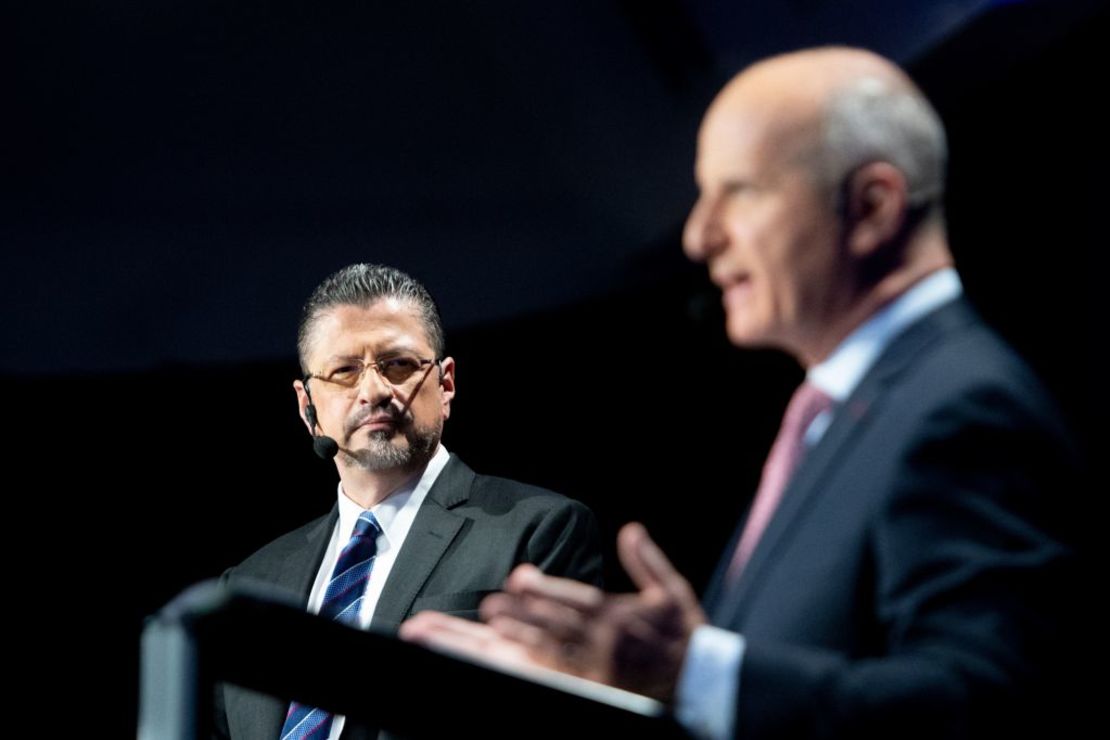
[470, 532]
[912, 583]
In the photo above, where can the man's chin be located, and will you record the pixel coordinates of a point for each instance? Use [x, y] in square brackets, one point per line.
[391, 451]
[380, 456]
[745, 331]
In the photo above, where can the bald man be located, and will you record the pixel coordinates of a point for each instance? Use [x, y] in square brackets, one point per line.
[901, 572]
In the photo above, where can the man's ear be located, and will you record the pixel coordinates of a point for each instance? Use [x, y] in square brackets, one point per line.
[303, 403]
[875, 207]
[447, 383]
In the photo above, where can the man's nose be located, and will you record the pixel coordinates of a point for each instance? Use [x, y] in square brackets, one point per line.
[372, 387]
[703, 236]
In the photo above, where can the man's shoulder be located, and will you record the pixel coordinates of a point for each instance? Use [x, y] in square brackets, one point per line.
[533, 524]
[495, 494]
[263, 561]
[966, 397]
[492, 487]
[959, 356]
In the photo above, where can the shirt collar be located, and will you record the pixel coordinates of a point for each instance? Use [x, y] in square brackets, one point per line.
[386, 511]
[840, 373]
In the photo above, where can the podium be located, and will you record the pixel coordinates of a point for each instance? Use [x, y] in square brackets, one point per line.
[211, 633]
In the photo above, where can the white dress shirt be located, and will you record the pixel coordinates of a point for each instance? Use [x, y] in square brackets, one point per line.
[395, 515]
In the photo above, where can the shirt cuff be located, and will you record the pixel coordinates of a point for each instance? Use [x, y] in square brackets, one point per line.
[709, 683]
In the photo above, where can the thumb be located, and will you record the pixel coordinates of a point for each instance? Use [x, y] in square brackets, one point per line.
[646, 564]
[656, 578]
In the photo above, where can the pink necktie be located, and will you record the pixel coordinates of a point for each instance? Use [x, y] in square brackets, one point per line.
[806, 404]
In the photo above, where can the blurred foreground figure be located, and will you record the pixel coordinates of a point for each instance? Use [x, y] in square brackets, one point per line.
[902, 571]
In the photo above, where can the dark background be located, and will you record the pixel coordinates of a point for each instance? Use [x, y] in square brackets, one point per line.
[177, 176]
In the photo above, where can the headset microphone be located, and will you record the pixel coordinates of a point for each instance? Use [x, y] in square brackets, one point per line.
[324, 446]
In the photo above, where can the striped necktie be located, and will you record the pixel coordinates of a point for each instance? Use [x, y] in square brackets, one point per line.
[342, 602]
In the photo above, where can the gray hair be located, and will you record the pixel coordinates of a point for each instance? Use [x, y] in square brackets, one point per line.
[363, 284]
[871, 120]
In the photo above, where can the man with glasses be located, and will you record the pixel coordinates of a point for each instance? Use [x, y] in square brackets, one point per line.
[413, 528]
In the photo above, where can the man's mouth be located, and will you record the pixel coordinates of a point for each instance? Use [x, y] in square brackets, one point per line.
[377, 423]
[736, 290]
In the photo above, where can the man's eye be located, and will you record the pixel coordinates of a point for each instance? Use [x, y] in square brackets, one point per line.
[397, 369]
[346, 372]
[736, 189]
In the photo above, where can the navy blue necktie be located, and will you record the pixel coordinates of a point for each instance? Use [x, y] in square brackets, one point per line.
[342, 602]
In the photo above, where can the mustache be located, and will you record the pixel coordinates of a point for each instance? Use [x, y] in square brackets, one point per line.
[380, 413]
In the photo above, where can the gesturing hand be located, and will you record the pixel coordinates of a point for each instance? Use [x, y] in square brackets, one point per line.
[634, 641]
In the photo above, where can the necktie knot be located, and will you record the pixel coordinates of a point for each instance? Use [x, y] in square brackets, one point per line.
[805, 405]
[367, 525]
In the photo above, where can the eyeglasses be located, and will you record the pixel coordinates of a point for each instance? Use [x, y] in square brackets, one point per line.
[394, 370]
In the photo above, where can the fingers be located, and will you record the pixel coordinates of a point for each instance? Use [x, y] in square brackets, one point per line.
[478, 642]
[528, 580]
[561, 608]
[557, 621]
[642, 558]
[560, 623]
[539, 644]
[433, 628]
[649, 568]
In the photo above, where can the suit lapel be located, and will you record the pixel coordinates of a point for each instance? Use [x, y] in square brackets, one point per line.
[849, 420]
[718, 591]
[433, 530]
[298, 572]
[804, 486]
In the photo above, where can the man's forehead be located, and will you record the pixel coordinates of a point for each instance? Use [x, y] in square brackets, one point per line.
[387, 322]
[734, 143]
[754, 126]
[779, 104]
